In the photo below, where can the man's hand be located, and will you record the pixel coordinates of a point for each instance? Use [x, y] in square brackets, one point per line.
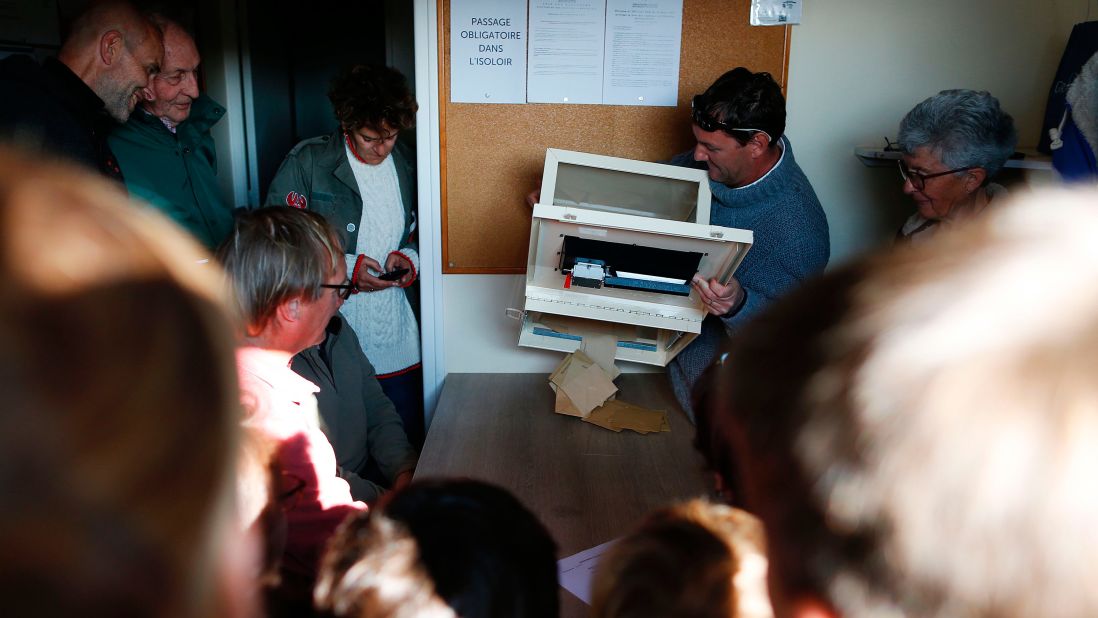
[370, 283]
[719, 299]
[533, 197]
[396, 261]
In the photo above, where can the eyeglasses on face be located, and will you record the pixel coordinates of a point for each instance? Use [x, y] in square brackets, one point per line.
[345, 289]
[709, 123]
[918, 179]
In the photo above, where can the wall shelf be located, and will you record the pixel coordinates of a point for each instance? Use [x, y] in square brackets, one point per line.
[879, 157]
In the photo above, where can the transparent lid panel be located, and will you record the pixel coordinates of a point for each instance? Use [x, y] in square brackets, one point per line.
[594, 188]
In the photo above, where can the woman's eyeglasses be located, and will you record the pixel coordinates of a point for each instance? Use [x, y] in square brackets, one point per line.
[918, 179]
[345, 289]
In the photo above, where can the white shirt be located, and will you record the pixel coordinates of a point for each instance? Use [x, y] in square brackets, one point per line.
[386, 326]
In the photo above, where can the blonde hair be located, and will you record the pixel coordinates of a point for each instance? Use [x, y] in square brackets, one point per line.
[120, 402]
[693, 560]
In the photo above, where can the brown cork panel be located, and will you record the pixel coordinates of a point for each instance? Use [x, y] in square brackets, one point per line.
[492, 155]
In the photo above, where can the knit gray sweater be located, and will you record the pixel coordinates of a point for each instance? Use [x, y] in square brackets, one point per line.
[791, 244]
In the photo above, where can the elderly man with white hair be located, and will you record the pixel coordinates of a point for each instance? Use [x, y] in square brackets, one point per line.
[166, 151]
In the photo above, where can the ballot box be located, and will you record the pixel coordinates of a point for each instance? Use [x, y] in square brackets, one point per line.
[614, 244]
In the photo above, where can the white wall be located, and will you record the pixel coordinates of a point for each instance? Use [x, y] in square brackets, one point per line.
[856, 66]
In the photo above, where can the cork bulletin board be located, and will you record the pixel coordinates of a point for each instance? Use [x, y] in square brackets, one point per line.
[492, 155]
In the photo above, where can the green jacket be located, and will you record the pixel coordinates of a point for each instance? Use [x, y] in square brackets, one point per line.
[177, 174]
[359, 420]
[316, 175]
[317, 170]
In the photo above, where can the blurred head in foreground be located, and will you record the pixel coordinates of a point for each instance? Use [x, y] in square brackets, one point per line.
[118, 428]
[694, 560]
[443, 549]
[918, 430]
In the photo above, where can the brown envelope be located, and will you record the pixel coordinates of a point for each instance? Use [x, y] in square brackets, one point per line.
[603, 418]
[564, 405]
[618, 415]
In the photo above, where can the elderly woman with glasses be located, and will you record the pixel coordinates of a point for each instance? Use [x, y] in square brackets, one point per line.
[952, 143]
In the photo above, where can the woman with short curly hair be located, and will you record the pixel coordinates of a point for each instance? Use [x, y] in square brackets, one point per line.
[372, 97]
[362, 180]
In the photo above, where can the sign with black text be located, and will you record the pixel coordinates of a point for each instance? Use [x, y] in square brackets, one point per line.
[487, 51]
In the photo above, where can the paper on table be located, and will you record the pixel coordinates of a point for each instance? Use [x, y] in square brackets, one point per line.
[564, 405]
[618, 415]
[603, 417]
[576, 571]
[587, 386]
[557, 376]
[583, 383]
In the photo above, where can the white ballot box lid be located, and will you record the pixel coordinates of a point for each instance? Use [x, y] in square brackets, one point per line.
[624, 186]
[591, 271]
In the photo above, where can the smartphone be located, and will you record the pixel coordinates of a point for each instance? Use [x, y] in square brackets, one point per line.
[393, 275]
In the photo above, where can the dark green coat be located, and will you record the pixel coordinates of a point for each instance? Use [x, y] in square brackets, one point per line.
[177, 173]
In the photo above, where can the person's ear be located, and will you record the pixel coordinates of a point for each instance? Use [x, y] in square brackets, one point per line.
[111, 45]
[759, 143]
[975, 178]
[290, 311]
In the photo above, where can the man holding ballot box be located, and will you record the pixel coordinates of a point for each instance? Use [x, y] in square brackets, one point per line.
[739, 123]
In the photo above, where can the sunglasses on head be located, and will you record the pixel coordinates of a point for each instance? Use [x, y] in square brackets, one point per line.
[709, 123]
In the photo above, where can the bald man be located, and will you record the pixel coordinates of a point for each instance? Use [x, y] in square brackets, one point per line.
[66, 107]
[166, 150]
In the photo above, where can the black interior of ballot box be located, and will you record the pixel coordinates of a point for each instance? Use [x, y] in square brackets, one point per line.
[631, 258]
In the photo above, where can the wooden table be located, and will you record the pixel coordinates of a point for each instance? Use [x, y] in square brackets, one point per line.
[588, 485]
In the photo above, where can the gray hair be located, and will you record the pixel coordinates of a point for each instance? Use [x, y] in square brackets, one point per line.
[278, 254]
[963, 128]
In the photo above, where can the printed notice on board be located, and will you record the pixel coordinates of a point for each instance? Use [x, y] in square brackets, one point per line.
[566, 47]
[487, 51]
[775, 12]
[643, 39]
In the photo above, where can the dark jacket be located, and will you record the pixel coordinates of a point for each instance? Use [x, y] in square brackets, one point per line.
[317, 170]
[357, 417]
[177, 173]
[48, 110]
